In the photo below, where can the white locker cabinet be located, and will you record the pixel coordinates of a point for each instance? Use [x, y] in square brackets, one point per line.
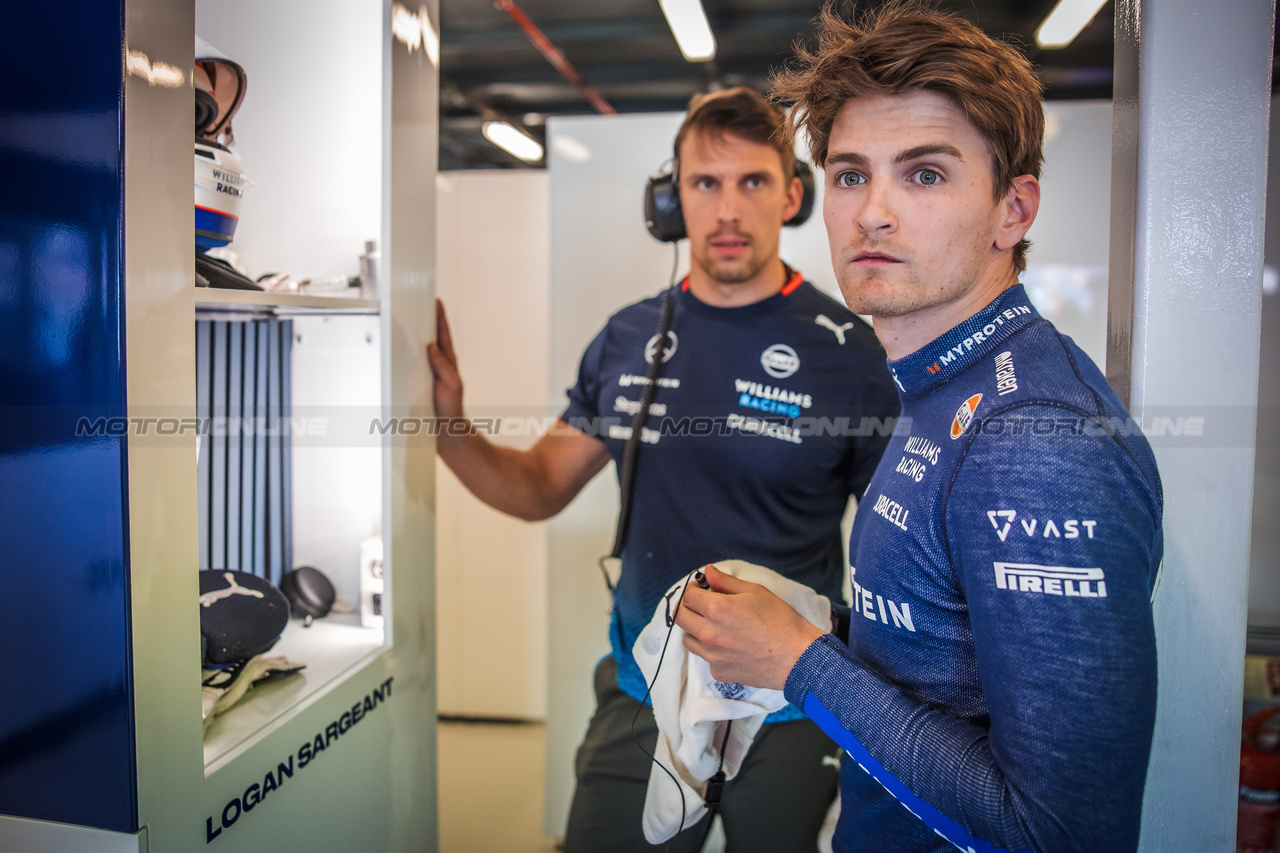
[105, 748]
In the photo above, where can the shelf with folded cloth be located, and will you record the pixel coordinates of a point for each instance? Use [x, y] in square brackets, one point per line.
[330, 648]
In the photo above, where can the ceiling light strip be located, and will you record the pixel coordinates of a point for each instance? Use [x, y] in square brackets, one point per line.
[688, 22]
[1066, 21]
[511, 140]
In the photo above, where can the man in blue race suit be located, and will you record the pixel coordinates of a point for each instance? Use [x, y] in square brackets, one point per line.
[997, 689]
[772, 409]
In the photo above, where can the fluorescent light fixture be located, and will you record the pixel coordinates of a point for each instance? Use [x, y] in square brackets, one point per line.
[688, 22]
[512, 141]
[1066, 21]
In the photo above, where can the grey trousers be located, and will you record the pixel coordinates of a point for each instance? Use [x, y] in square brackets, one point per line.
[776, 803]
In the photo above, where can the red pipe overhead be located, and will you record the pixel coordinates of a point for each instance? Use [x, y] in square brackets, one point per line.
[555, 57]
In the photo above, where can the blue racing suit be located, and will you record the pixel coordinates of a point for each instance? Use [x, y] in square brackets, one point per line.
[998, 689]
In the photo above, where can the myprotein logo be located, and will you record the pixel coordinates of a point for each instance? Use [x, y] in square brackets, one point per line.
[651, 348]
[964, 416]
[780, 361]
[1065, 581]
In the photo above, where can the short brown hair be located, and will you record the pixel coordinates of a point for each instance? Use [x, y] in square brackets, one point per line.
[743, 112]
[907, 46]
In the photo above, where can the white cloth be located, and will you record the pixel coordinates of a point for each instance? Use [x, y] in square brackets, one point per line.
[221, 690]
[690, 707]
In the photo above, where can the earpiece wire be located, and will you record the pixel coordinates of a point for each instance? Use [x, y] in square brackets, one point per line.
[675, 267]
[653, 758]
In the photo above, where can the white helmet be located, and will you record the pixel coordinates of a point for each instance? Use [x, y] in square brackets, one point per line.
[219, 181]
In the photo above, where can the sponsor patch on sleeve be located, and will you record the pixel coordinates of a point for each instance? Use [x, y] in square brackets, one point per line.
[964, 416]
[1065, 581]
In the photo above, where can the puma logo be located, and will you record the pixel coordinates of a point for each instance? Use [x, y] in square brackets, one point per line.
[827, 323]
[209, 598]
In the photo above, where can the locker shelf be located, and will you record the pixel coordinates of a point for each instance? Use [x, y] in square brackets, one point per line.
[213, 301]
[330, 648]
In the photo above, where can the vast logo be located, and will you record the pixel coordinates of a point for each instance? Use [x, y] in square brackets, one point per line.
[1051, 580]
[209, 598]
[934, 368]
[651, 348]
[1066, 529]
[964, 416]
[780, 361]
[827, 323]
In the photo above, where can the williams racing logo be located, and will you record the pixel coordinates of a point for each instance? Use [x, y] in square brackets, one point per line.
[780, 361]
[767, 398]
[651, 348]
[1051, 580]
[964, 416]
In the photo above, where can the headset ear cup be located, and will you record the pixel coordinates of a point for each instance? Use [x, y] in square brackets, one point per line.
[805, 173]
[662, 214]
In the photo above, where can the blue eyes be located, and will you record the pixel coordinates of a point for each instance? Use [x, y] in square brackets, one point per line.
[924, 177]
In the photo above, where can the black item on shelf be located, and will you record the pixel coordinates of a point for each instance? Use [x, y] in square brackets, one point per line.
[241, 615]
[310, 593]
[215, 272]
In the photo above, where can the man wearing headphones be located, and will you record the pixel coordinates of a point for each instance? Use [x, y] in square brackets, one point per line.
[772, 408]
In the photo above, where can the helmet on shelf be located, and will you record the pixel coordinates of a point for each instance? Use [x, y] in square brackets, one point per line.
[219, 180]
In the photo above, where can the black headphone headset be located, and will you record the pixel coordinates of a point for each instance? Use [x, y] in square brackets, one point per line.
[665, 220]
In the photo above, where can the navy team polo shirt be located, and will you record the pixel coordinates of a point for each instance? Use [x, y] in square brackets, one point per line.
[767, 418]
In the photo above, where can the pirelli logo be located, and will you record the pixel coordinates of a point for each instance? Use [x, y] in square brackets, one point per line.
[1051, 580]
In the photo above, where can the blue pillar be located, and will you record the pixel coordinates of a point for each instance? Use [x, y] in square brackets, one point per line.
[66, 697]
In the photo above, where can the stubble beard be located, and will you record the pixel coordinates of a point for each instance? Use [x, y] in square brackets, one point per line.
[870, 294]
[734, 271]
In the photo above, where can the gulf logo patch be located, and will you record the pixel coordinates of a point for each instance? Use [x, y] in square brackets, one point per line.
[964, 416]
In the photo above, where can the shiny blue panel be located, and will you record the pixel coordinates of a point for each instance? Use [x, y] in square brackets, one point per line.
[66, 723]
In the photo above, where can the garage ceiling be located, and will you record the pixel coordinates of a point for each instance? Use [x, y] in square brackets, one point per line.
[624, 50]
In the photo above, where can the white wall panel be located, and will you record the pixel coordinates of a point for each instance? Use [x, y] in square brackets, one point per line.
[494, 277]
[337, 480]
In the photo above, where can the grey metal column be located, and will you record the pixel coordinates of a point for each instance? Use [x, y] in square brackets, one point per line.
[1192, 95]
